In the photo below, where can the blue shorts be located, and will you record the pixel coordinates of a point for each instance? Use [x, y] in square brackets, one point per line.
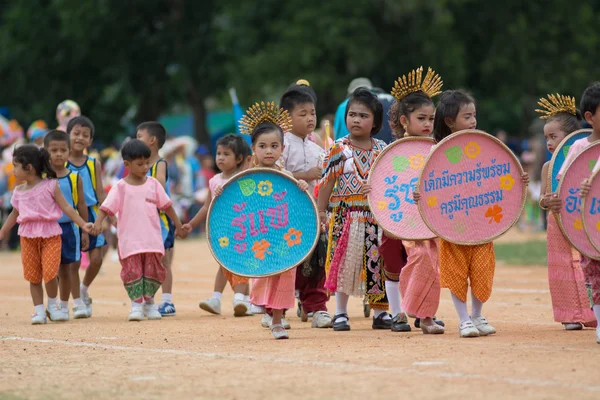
[95, 241]
[71, 243]
[170, 239]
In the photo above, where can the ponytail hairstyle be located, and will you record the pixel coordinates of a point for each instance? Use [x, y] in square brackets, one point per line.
[406, 106]
[30, 156]
[449, 106]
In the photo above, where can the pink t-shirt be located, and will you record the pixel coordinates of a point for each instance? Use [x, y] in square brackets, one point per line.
[215, 181]
[38, 211]
[139, 223]
[574, 151]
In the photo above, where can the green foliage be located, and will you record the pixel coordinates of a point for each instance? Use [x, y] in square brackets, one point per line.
[525, 253]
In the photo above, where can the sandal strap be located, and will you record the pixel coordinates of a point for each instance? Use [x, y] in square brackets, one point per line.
[273, 326]
[338, 316]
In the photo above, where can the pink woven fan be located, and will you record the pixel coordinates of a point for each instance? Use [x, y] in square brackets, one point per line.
[591, 212]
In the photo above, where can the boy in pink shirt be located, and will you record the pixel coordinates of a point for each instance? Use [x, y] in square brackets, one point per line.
[134, 201]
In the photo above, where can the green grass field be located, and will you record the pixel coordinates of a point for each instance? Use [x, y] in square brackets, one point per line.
[523, 253]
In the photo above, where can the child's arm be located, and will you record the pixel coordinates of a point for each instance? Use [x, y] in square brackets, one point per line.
[70, 211]
[161, 173]
[10, 222]
[310, 175]
[323, 199]
[83, 212]
[100, 195]
[179, 232]
[97, 226]
[200, 216]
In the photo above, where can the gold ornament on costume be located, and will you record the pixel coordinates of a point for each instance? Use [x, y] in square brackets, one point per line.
[413, 82]
[259, 113]
[555, 104]
[302, 82]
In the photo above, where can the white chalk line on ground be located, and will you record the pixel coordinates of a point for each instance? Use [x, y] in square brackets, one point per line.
[346, 367]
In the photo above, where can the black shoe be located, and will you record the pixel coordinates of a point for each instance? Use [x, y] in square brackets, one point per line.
[400, 323]
[341, 325]
[417, 323]
[381, 323]
[299, 309]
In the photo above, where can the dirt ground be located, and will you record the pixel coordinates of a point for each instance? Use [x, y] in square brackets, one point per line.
[197, 355]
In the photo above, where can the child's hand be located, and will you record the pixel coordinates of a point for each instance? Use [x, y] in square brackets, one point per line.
[85, 241]
[187, 227]
[366, 188]
[113, 220]
[218, 190]
[181, 233]
[416, 196]
[553, 202]
[525, 178]
[303, 185]
[323, 220]
[314, 173]
[585, 187]
[88, 228]
[96, 229]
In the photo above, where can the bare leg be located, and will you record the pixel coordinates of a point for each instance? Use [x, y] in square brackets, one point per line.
[242, 288]
[94, 267]
[52, 288]
[74, 269]
[167, 285]
[277, 315]
[220, 281]
[37, 293]
[64, 275]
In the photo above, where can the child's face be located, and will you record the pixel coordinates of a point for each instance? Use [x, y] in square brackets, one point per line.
[19, 172]
[81, 138]
[466, 118]
[553, 134]
[145, 137]
[593, 119]
[359, 120]
[420, 121]
[139, 167]
[59, 153]
[304, 119]
[268, 148]
[226, 159]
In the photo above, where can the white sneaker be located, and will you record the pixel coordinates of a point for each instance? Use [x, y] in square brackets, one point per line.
[136, 314]
[286, 325]
[467, 329]
[55, 314]
[114, 257]
[575, 326]
[321, 319]
[483, 326]
[211, 305]
[151, 311]
[80, 312]
[254, 309]
[240, 308]
[598, 335]
[37, 319]
[65, 311]
[266, 321]
[88, 303]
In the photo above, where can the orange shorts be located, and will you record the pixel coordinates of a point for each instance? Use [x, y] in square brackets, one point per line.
[41, 258]
[234, 279]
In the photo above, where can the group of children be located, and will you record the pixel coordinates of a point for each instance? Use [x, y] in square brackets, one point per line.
[354, 256]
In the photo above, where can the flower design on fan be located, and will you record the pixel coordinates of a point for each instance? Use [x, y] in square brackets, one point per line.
[260, 248]
[265, 188]
[382, 205]
[224, 241]
[494, 214]
[293, 237]
[416, 161]
[598, 226]
[555, 104]
[432, 201]
[269, 112]
[413, 82]
[578, 224]
[472, 150]
[507, 182]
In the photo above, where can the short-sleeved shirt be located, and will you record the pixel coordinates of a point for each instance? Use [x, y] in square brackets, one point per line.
[139, 224]
[215, 181]
[300, 155]
[87, 172]
[574, 151]
[38, 210]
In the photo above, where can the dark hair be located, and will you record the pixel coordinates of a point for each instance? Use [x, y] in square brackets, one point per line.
[237, 145]
[56, 136]
[405, 107]
[368, 99]
[265, 127]
[38, 158]
[449, 106]
[135, 149]
[590, 99]
[83, 121]
[155, 129]
[567, 121]
[296, 95]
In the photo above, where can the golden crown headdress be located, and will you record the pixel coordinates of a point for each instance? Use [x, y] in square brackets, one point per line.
[259, 113]
[404, 86]
[302, 82]
[556, 103]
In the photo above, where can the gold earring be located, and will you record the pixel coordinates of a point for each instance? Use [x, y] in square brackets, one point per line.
[405, 130]
[254, 160]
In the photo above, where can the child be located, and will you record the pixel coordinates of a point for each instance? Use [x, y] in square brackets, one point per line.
[232, 153]
[353, 263]
[412, 114]
[134, 200]
[565, 277]
[462, 265]
[153, 134]
[81, 134]
[58, 145]
[37, 205]
[590, 107]
[266, 126]
[303, 158]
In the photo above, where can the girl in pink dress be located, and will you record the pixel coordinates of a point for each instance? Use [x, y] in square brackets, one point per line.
[38, 203]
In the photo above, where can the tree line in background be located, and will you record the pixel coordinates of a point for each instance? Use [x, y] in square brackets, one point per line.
[136, 59]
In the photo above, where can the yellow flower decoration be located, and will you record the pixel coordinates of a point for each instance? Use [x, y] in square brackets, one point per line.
[598, 226]
[432, 201]
[265, 188]
[382, 205]
[507, 182]
[578, 224]
[416, 162]
[472, 150]
[224, 241]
